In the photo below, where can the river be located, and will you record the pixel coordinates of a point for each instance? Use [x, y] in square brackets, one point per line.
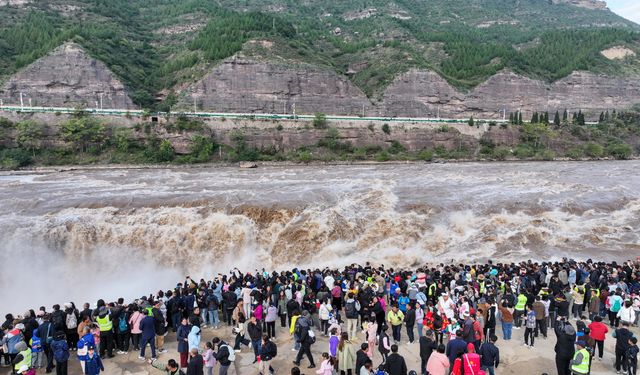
[84, 234]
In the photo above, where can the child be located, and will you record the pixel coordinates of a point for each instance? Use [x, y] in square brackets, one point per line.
[60, 350]
[334, 324]
[529, 326]
[209, 358]
[327, 366]
[632, 356]
[334, 340]
[93, 365]
[37, 352]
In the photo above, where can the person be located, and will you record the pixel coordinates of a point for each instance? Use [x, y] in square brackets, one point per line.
[224, 355]
[519, 309]
[208, 358]
[351, 311]
[371, 333]
[148, 337]
[85, 341]
[193, 338]
[93, 363]
[23, 358]
[334, 341]
[268, 351]
[196, 363]
[384, 346]
[622, 336]
[324, 313]
[160, 325]
[410, 322]
[60, 349]
[580, 361]
[134, 322]
[427, 346]
[529, 326]
[632, 356]
[182, 336]
[254, 328]
[396, 364]
[327, 366]
[170, 368]
[564, 349]
[540, 312]
[346, 355]
[456, 347]
[507, 319]
[37, 353]
[367, 368]
[395, 317]
[362, 356]
[627, 313]
[489, 356]
[270, 320]
[598, 331]
[468, 363]
[614, 303]
[307, 338]
[106, 332]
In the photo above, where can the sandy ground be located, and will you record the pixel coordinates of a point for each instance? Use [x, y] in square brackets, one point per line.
[617, 53]
[516, 358]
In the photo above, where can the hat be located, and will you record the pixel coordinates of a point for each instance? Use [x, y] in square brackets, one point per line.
[581, 343]
[21, 346]
[20, 326]
[471, 347]
[465, 314]
[89, 347]
[40, 313]
[23, 368]
[67, 305]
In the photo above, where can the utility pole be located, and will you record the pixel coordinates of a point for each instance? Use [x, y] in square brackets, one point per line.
[30, 103]
[195, 104]
[101, 101]
[21, 101]
[294, 110]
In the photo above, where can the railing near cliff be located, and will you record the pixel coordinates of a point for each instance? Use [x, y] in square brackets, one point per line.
[241, 116]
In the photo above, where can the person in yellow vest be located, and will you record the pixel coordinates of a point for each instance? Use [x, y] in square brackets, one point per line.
[580, 361]
[395, 317]
[106, 332]
[23, 358]
[519, 310]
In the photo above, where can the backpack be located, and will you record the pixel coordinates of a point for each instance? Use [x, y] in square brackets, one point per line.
[57, 320]
[274, 350]
[616, 305]
[350, 310]
[312, 336]
[61, 351]
[232, 353]
[122, 325]
[72, 320]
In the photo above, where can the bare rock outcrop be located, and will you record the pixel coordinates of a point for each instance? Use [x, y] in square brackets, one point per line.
[240, 85]
[421, 94]
[67, 77]
[589, 4]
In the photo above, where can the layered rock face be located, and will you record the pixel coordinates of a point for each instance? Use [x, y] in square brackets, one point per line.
[589, 4]
[67, 77]
[421, 94]
[246, 86]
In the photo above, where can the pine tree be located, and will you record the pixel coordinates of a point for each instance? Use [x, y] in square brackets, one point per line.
[519, 118]
[546, 117]
[511, 117]
[606, 115]
[580, 118]
[471, 122]
[535, 118]
[601, 117]
[556, 119]
[575, 117]
[565, 116]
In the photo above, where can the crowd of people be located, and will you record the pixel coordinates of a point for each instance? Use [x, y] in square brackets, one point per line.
[450, 312]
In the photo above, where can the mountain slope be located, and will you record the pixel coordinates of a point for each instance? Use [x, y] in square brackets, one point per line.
[158, 47]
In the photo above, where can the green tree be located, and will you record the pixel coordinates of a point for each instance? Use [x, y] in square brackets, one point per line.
[121, 138]
[471, 122]
[29, 135]
[546, 118]
[511, 117]
[166, 153]
[534, 118]
[520, 122]
[386, 129]
[556, 119]
[83, 132]
[320, 121]
[565, 116]
[201, 148]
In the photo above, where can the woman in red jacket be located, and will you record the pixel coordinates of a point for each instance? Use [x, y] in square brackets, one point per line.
[598, 333]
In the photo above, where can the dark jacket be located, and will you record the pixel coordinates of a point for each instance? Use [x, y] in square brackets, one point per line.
[410, 318]
[396, 365]
[148, 327]
[622, 336]
[222, 356]
[566, 336]
[182, 334]
[93, 365]
[491, 318]
[490, 355]
[427, 346]
[455, 348]
[468, 333]
[268, 351]
[195, 366]
[255, 331]
[361, 358]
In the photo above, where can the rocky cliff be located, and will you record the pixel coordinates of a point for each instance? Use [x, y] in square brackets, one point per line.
[240, 85]
[67, 77]
[589, 4]
[422, 94]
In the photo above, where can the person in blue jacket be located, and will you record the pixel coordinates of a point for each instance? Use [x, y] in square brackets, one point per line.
[93, 363]
[148, 328]
[83, 345]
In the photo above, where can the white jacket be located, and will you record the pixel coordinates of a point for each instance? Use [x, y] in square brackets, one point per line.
[627, 314]
[325, 309]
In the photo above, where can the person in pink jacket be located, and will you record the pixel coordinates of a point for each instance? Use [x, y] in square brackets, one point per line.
[134, 323]
[327, 366]
[438, 363]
